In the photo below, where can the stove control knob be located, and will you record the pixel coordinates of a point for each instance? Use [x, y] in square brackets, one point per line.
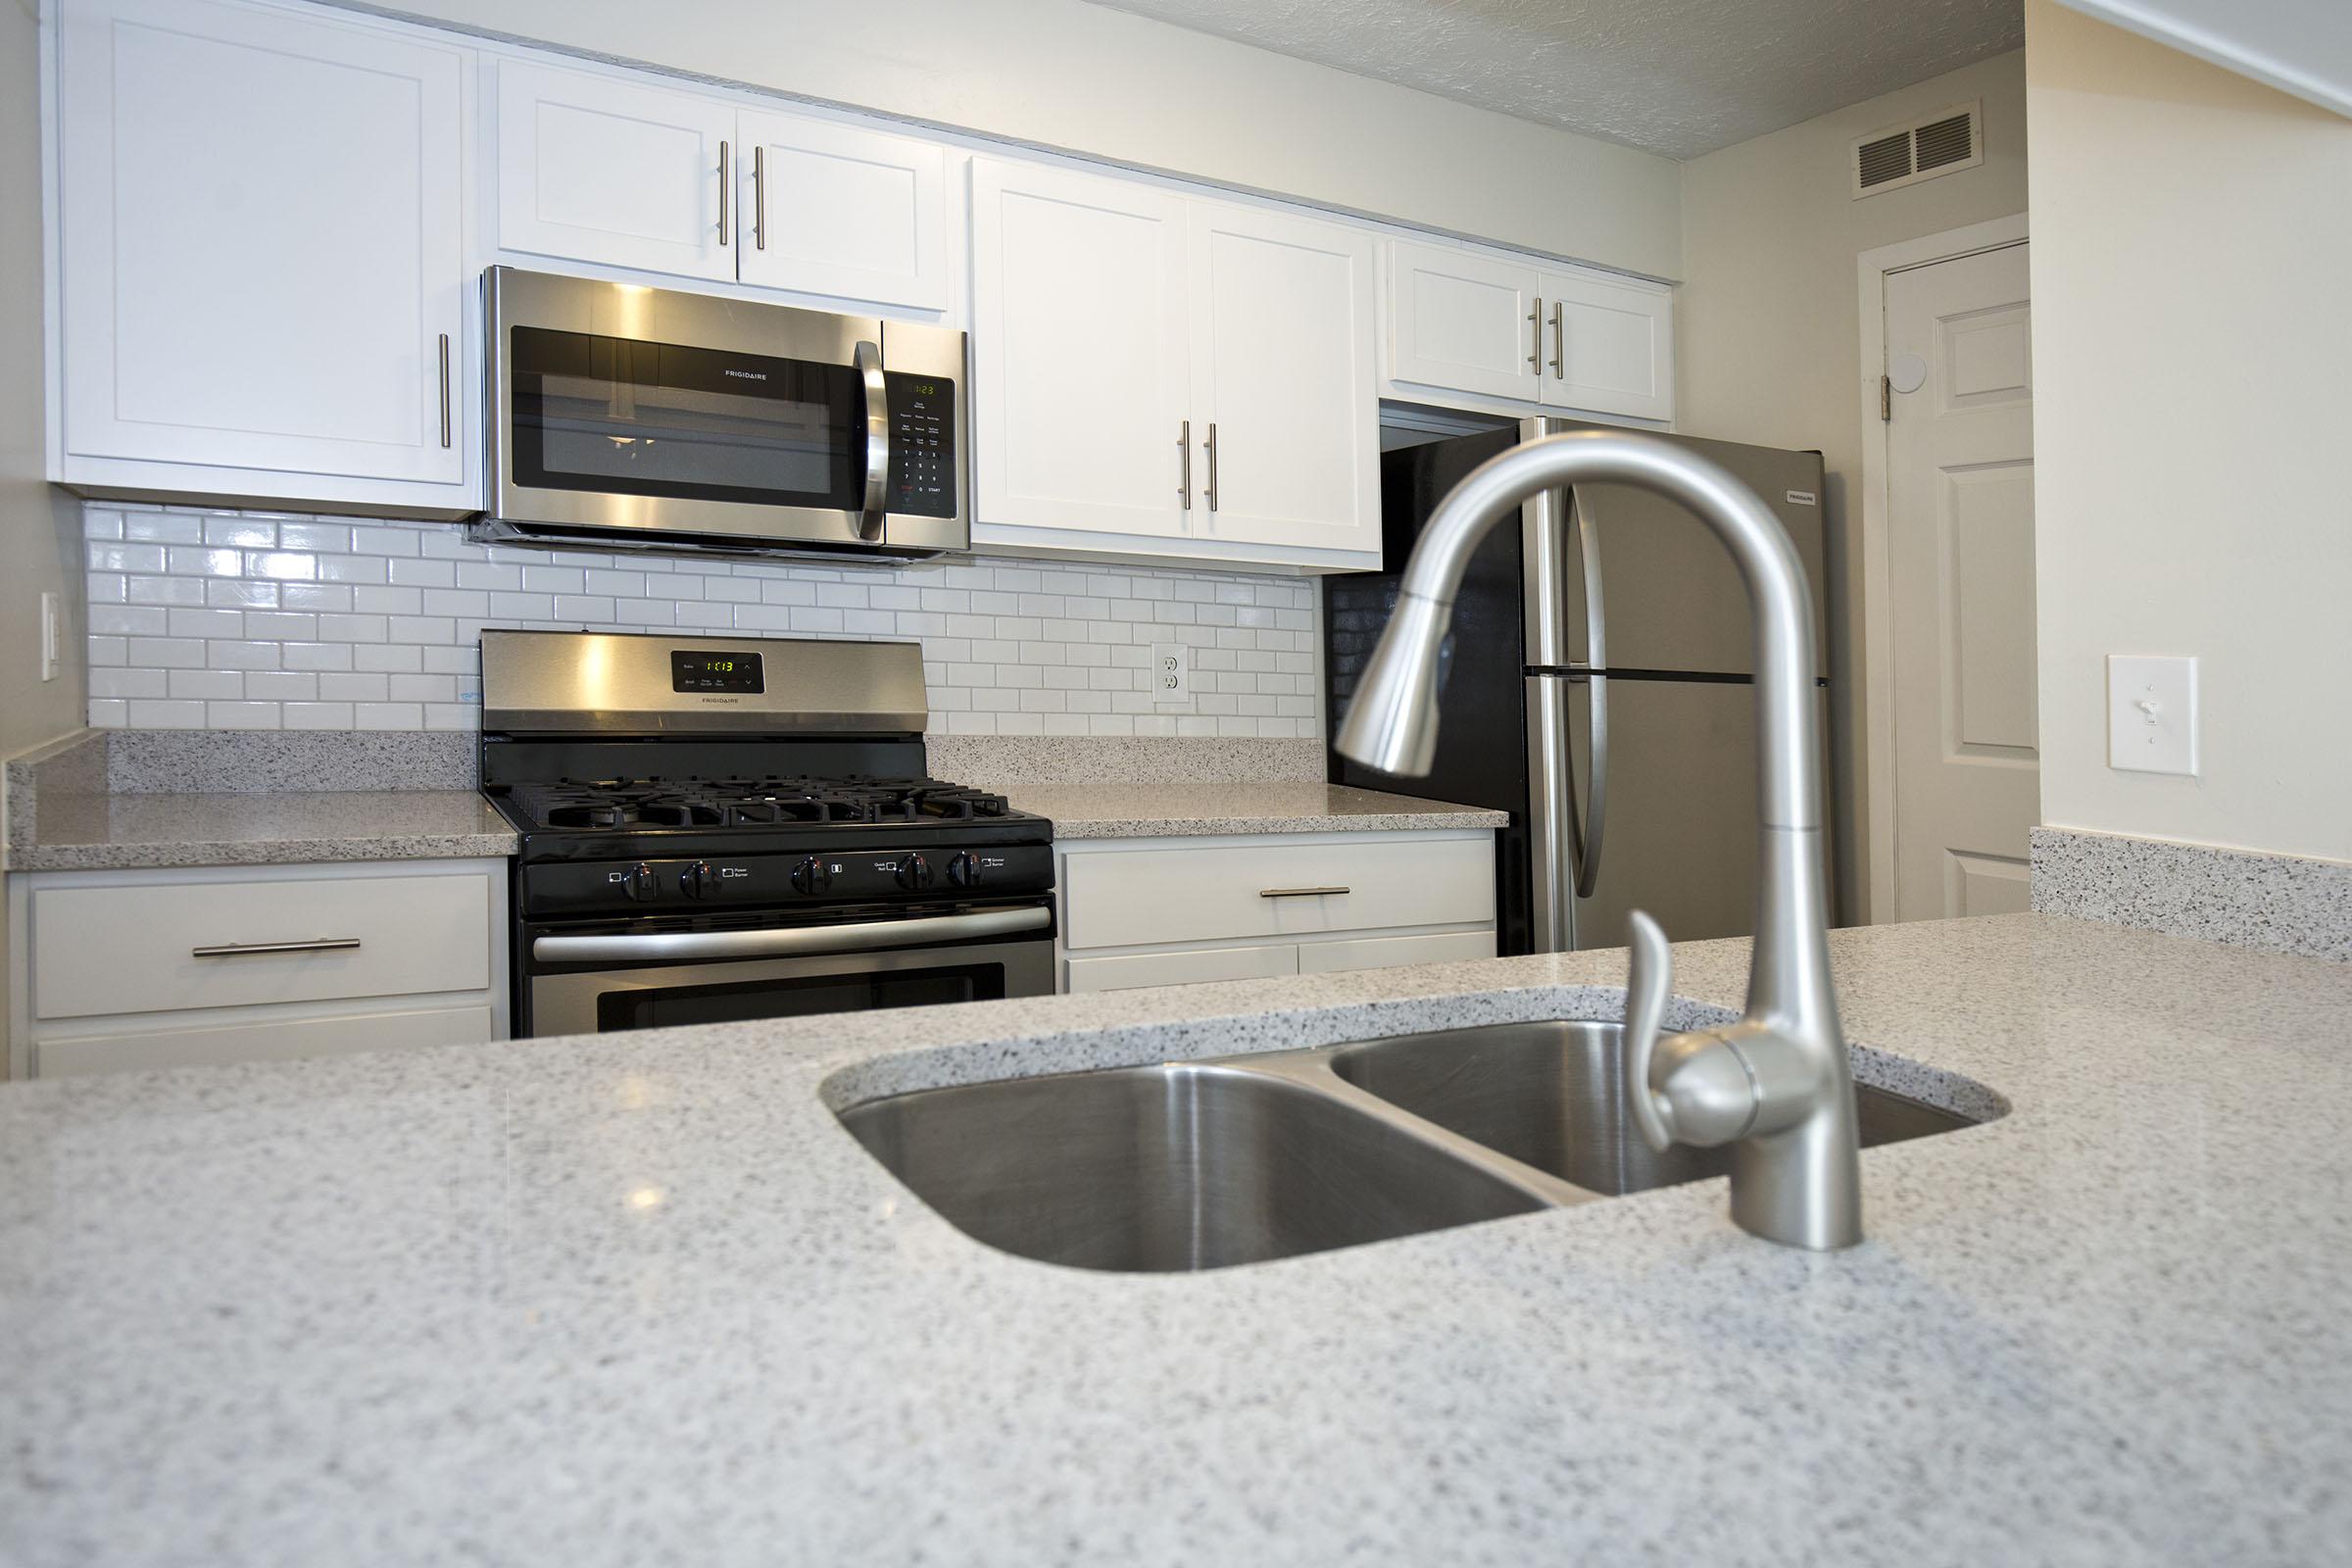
[697, 880]
[811, 875]
[964, 870]
[640, 884]
[914, 872]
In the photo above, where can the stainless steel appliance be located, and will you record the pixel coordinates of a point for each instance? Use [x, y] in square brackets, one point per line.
[724, 829]
[1599, 686]
[631, 416]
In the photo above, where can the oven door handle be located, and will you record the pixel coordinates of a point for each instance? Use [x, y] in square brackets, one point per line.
[878, 441]
[789, 941]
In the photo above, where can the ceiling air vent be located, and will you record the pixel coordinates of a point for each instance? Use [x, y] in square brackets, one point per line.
[1942, 143]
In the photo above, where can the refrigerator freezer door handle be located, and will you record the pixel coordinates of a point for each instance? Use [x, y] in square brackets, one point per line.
[1587, 834]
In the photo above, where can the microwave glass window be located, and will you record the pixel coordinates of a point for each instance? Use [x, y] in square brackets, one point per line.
[747, 1001]
[618, 415]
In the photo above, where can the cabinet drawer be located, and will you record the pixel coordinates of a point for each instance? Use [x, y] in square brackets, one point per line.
[1121, 897]
[1126, 971]
[278, 1041]
[1380, 953]
[120, 949]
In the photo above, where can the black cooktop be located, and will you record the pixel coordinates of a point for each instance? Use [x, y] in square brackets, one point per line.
[749, 802]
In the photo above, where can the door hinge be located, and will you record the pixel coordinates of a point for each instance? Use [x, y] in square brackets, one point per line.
[1886, 399]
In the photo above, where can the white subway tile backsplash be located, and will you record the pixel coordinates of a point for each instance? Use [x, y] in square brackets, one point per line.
[227, 619]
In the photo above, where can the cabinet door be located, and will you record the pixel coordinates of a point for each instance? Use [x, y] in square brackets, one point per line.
[603, 171]
[261, 222]
[831, 209]
[1080, 351]
[1608, 345]
[1462, 322]
[1284, 382]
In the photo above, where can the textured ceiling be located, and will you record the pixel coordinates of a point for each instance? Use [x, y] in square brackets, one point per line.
[1679, 78]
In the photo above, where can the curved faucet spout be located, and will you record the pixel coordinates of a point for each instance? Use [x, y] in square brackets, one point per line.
[1796, 1170]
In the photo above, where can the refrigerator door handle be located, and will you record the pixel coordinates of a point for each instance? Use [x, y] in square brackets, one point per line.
[1585, 834]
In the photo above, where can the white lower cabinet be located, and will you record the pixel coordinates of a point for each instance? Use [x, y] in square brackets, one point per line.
[1174, 912]
[114, 970]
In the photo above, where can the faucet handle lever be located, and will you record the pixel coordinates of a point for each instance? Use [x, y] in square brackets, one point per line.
[1649, 979]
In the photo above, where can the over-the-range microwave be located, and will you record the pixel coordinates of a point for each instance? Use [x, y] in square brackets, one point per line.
[630, 416]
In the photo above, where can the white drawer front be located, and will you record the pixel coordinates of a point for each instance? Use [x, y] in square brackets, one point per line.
[1380, 953]
[120, 949]
[278, 1041]
[1126, 971]
[1123, 897]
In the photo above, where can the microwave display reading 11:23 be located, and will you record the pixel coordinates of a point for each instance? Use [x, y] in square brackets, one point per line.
[714, 672]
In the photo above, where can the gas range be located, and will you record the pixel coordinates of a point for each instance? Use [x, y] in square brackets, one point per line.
[745, 800]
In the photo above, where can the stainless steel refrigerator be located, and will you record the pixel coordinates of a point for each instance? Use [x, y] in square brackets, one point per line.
[1597, 685]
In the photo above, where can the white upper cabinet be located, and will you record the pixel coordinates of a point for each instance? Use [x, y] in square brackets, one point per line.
[592, 169]
[261, 252]
[840, 210]
[603, 171]
[1497, 330]
[1283, 376]
[1161, 375]
[1608, 345]
[1462, 322]
[1081, 348]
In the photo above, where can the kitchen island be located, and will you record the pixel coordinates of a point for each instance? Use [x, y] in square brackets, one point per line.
[640, 1298]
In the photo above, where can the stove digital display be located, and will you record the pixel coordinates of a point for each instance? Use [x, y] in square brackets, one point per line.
[714, 672]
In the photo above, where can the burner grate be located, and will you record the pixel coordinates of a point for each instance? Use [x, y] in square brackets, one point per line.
[609, 804]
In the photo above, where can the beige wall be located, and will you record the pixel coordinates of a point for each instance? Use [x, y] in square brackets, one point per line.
[1768, 334]
[2193, 246]
[1079, 77]
[39, 535]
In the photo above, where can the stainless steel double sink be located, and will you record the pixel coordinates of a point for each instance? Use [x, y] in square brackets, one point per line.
[1241, 1160]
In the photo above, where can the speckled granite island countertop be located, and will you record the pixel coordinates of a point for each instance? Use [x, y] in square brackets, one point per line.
[639, 1299]
[101, 832]
[1161, 811]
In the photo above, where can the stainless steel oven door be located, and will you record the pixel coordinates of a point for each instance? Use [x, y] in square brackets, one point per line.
[723, 989]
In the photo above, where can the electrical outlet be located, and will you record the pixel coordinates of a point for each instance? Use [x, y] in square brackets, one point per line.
[1171, 672]
[2151, 713]
[51, 615]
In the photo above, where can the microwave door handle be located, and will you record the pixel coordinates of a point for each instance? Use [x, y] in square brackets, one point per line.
[878, 441]
[1596, 657]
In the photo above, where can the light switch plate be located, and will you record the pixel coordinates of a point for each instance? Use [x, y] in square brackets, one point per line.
[2151, 713]
[1171, 672]
[52, 633]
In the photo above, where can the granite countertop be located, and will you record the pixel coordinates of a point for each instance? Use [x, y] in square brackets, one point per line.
[97, 832]
[1160, 810]
[640, 1298]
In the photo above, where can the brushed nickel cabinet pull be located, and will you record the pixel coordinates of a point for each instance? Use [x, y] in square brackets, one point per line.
[1300, 893]
[1560, 341]
[760, 196]
[1211, 446]
[444, 389]
[241, 949]
[722, 193]
[1184, 466]
[1535, 343]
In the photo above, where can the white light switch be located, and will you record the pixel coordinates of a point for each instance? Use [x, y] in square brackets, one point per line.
[2151, 713]
[1171, 672]
[52, 633]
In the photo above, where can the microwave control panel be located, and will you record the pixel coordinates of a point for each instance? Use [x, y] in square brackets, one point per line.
[922, 445]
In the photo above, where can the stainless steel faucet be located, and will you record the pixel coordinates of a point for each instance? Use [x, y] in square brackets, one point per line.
[1775, 1084]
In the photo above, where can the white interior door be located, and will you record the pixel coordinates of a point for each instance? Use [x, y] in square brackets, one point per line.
[1080, 352]
[1283, 380]
[262, 254]
[604, 171]
[1462, 322]
[1960, 559]
[841, 210]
